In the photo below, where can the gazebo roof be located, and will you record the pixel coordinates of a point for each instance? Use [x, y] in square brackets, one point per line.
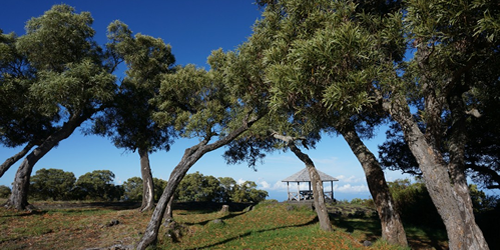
[303, 176]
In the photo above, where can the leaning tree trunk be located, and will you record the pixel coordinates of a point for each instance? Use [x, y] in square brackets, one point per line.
[190, 157]
[392, 225]
[147, 182]
[456, 165]
[19, 196]
[452, 202]
[10, 161]
[317, 185]
[169, 215]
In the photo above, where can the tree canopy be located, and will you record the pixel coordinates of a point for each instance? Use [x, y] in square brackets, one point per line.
[57, 71]
[98, 184]
[52, 183]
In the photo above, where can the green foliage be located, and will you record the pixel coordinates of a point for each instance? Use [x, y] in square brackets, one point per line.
[482, 202]
[228, 187]
[98, 185]
[159, 186]
[247, 192]
[414, 203]
[128, 122]
[197, 187]
[57, 77]
[363, 202]
[4, 191]
[132, 188]
[55, 184]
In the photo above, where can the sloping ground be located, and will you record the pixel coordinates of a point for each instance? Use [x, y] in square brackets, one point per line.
[200, 226]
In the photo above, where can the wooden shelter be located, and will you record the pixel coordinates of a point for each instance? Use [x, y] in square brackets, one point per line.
[307, 194]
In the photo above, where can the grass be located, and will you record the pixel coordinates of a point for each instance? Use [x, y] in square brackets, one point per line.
[266, 226]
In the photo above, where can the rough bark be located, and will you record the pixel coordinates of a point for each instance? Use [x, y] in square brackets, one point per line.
[190, 157]
[147, 182]
[19, 196]
[10, 161]
[456, 166]
[169, 216]
[451, 199]
[317, 185]
[392, 225]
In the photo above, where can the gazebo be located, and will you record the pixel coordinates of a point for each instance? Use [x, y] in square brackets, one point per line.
[303, 176]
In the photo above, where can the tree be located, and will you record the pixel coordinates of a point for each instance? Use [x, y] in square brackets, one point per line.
[197, 187]
[132, 188]
[481, 149]
[319, 50]
[16, 128]
[227, 188]
[159, 186]
[4, 191]
[98, 185]
[52, 183]
[414, 203]
[358, 60]
[70, 81]
[456, 53]
[129, 122]
[211, 106]
[248, 192]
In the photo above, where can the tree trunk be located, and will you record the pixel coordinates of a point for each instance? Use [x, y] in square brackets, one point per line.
[10, 161]
[169, 215]
[456, 166]
[317, 185]
[190, 157]
[392, 226]
[147, 182]
[19, 196]
[451, 201]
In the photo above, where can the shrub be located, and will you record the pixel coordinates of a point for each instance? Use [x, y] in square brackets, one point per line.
[4, 191]
[414, 203]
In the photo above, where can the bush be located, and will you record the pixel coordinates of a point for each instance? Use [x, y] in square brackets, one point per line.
[414, 203]
[363, 202]
[4, 191]
[97, 185]
[54, 184]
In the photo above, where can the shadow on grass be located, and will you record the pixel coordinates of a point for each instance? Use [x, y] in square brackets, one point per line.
[313, 221]
[24, 214]
[433, 237]
[226, 217]
[368, 226]
[115, 205]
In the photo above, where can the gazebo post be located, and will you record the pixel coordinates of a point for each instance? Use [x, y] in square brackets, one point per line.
[331, 187]
[298, 190]
[288, 190]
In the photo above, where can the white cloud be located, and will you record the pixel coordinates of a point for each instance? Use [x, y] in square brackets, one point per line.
[347, 188]
[265, 185]
[351, 179]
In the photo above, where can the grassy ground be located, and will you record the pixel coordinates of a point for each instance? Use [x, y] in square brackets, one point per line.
[266, 226]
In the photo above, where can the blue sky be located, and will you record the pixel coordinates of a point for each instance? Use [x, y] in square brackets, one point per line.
[193, 29]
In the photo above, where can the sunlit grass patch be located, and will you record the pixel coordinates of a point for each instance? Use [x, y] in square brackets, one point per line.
[267, 226]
